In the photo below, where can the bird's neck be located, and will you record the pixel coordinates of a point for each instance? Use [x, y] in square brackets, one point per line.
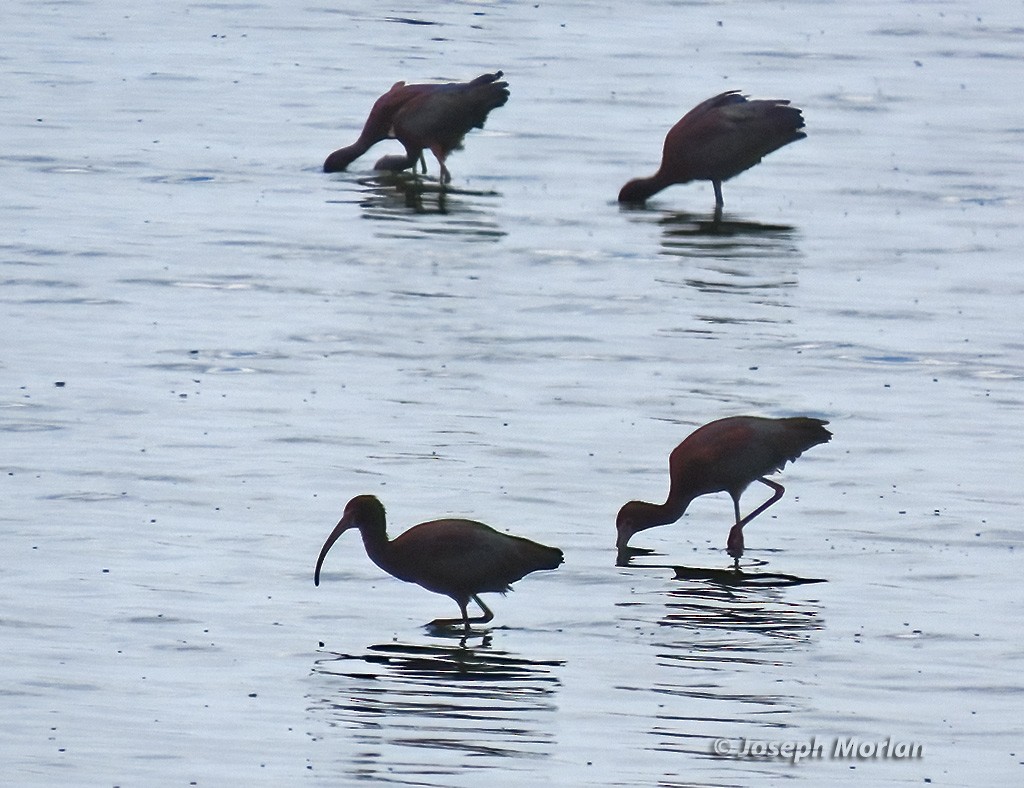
[341, 158]
[670, 511]
[644, 188]
[651, 515]
[375, 541]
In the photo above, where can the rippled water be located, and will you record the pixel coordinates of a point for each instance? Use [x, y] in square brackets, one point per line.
[211, 346]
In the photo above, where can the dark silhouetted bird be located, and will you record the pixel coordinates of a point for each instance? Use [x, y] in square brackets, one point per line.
[718, 139]
[424, 117]
[457, 558]
[724, 456]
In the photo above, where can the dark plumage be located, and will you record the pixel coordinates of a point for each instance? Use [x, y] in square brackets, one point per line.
[724, 456]
[717, 140]
[424, 117]
[457, 558]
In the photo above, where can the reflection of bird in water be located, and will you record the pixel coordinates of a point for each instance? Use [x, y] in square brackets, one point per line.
[718, 139]
[724, 456]
[706, 607]
[439, 663]
[457, 558]
[405, 702]
[394, 197]
[687, 225]
[431, 117]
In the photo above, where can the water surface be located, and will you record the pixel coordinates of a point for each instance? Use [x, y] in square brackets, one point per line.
[211, 346]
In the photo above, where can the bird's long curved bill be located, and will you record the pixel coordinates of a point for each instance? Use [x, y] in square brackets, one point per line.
[339, 529]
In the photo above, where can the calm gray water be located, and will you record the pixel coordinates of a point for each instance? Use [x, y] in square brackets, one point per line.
[210, 346]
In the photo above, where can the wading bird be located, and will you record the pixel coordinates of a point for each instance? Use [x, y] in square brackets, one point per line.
[723, 456]
[457, 558]
[431, 117]
[718, 139]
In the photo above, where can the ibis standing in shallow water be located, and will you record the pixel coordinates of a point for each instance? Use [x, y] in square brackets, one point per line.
[424, 117]
[718, 139]
[457, 558]
[724, 456]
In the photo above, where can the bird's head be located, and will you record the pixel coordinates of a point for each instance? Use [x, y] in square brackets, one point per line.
[638, 516]
[341, 158]
[628, 522]
[634, 192]
[363, 510]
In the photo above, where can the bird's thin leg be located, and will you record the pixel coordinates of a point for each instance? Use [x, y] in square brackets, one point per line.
[440, 155]
[718, 202]
[451, 622]
[465, 621]
[734, 545]
[779, 490]
[487, 616]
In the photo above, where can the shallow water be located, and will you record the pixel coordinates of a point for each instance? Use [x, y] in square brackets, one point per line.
[211, 346]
